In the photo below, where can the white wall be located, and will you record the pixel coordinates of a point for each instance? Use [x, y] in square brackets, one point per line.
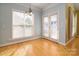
[60, 9]
[6, 22]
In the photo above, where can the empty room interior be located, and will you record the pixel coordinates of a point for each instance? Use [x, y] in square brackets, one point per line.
[39, 29]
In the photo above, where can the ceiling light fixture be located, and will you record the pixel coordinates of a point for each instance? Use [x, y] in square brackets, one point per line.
[29, 12]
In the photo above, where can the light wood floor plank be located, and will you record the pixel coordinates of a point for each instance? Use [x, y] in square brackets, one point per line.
[41, 47]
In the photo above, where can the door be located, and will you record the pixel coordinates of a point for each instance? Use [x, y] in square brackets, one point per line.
[46, 27]
[54, 27]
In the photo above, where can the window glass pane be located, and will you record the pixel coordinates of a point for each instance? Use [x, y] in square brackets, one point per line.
[18, 18]
[54, 31]
[22, 25]
[46, 27]
[28, 31]
[28, 20]
[18, 32]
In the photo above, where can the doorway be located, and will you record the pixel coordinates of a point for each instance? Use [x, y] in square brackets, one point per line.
[50, 27]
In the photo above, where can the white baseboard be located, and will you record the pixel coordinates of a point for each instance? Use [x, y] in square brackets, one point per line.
[1, 45]
[59, 42]
[69, 41]
[54, 41]
[62, 43]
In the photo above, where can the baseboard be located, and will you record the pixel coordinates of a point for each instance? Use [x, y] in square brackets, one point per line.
[58, 42]
[55, 41]
[45, 37]
[69, 41]
[62, 43]
[1, 45]
[77, 36]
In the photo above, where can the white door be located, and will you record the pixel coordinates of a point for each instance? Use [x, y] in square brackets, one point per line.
[46, 27]
[54, 27]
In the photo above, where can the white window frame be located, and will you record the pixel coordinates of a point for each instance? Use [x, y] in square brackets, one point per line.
[33, 31]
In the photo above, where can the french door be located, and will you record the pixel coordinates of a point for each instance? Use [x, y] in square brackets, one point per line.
[50, 27]
[54, 27]
[46, 27]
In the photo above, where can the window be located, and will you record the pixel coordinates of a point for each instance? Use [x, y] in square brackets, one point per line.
[22, 26]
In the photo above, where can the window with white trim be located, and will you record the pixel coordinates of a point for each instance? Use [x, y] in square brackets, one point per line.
[22, 26]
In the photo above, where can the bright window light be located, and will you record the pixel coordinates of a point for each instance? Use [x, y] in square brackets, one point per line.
[22, 26]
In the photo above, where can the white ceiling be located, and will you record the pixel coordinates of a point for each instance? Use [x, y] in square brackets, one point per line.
[40, 5]
[37, 5]
[44, 5]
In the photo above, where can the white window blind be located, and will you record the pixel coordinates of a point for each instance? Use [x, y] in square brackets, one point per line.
[22, 26]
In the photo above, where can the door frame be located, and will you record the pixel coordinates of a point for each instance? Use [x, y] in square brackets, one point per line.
[49, 16]
[56, 13]
[43, 27]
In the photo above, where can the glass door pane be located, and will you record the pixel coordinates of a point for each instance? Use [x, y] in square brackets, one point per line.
[53, 27]
[46, 27]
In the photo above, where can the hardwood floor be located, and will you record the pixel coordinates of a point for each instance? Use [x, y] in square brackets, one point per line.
[41, 47]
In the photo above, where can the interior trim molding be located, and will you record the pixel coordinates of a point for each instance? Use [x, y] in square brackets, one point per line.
[77, 35]
[54, 41]
[1, 45]
[70, 40]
